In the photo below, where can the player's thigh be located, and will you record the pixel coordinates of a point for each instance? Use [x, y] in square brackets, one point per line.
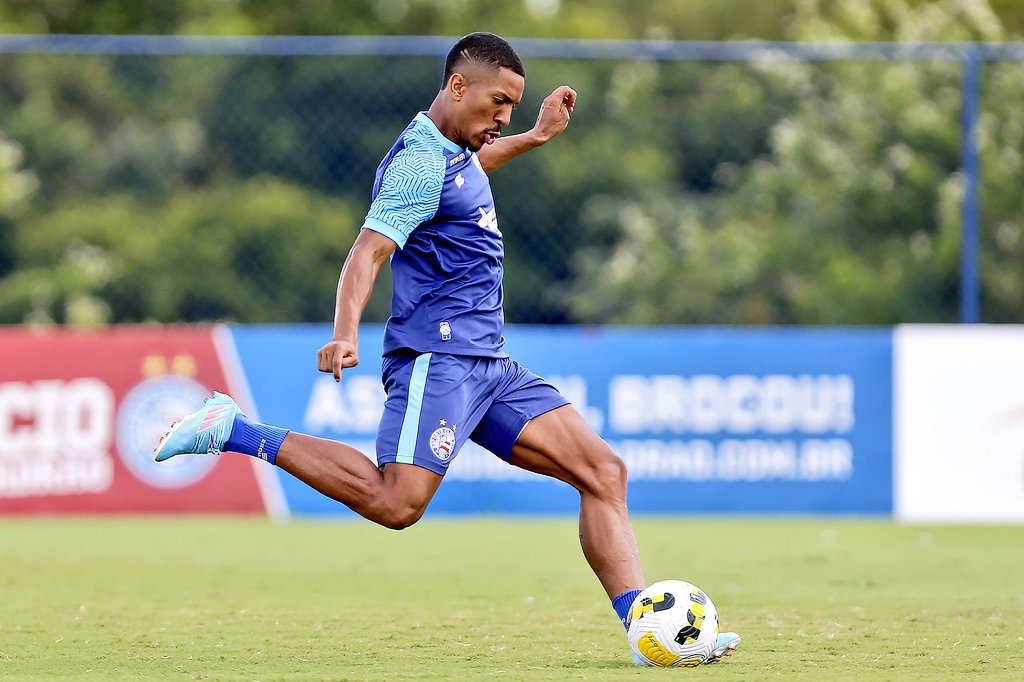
[561, 444]
[519, 397]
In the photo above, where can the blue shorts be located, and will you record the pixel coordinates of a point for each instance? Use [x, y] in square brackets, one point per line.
[437, 401]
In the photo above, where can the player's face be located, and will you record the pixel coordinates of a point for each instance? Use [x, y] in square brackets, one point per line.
[486, 105]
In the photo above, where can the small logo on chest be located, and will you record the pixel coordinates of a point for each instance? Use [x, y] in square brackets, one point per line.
[459, 180]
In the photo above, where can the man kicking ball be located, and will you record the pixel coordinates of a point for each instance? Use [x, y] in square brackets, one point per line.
[447, 377]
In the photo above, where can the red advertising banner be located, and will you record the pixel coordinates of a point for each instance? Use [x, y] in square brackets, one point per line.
[80, 414]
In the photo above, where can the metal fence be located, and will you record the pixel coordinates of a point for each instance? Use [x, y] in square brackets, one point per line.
[199, 178]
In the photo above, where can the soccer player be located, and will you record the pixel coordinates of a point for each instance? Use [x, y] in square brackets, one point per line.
[447, 378]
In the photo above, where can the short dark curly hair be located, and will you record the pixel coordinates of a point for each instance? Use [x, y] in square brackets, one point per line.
[483, 48]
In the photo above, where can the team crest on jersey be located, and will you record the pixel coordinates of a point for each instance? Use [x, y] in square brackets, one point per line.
[442, 443]
[459, 180]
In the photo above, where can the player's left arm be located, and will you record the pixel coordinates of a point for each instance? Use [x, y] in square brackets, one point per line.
[553, 118]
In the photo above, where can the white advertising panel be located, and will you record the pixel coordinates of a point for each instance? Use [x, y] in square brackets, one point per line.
[959, 423]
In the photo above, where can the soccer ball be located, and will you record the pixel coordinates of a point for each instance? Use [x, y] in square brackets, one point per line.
[673, 623]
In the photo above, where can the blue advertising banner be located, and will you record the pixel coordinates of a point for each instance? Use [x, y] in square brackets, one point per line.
[708, 420]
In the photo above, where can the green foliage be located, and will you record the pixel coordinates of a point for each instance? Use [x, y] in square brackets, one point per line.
[661, 19]
[851, 213]
[261, 251]
[763, 193]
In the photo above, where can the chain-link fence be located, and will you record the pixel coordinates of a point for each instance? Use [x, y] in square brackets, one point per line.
[149, 179]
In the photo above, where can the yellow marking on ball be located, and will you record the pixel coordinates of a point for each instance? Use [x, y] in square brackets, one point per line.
[645, 605]
[651, 649]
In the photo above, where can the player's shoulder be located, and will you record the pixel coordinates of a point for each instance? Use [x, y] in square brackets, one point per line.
[418, 153]
[420, 137]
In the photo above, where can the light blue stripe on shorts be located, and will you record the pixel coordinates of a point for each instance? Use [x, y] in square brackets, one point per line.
[411, 423]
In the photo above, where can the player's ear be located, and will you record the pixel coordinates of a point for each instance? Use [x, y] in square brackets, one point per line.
[457, 86]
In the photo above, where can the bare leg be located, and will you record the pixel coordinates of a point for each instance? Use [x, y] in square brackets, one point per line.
[560, 444]
[395, 497]
[609, 545]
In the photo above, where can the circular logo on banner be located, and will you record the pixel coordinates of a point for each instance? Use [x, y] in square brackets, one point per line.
[442, 443]
[145, 415]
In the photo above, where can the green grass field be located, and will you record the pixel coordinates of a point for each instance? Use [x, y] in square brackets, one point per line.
[496, 599]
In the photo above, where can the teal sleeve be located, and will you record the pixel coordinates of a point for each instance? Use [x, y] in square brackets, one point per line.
[409, 194]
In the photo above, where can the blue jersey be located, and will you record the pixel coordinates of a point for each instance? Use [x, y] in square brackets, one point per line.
[434, 200]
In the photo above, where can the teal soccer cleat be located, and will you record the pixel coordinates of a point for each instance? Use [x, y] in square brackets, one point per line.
[725, 645]
[203, 432]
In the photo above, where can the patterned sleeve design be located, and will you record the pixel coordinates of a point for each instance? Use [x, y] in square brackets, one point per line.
[410, 190]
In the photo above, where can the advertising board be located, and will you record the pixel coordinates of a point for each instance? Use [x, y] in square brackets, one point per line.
[959, 423]
[80, 413]
[707, 420]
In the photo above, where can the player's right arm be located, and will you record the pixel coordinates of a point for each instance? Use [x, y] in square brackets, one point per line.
[408, 196]
[368, 254]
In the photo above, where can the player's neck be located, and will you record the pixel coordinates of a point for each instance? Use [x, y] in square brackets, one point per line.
[439, 114]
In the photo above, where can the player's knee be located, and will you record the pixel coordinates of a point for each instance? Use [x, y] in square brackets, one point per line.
[616, 475]
[400, 516]
[607, 477]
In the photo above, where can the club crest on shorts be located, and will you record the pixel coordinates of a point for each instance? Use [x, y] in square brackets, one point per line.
[442, 443]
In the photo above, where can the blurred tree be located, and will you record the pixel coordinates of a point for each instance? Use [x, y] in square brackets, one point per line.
[618, 19]
[591, 19]
[851, 213]
[259, 251]
[16, 188]
[683, 192]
